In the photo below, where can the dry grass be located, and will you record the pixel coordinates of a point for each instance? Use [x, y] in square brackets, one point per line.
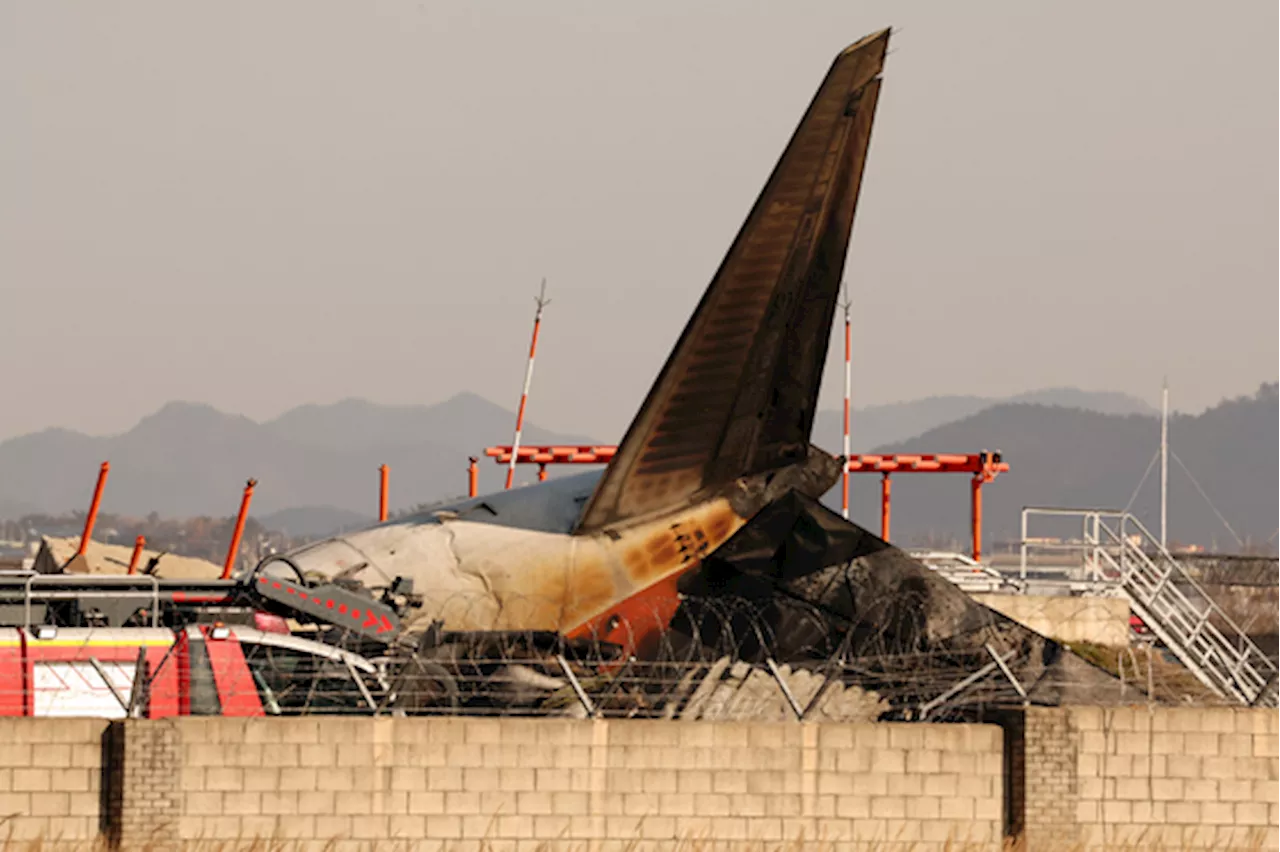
[1173, 683]
[688, 844]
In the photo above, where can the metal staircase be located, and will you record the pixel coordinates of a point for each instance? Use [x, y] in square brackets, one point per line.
[1124, 554]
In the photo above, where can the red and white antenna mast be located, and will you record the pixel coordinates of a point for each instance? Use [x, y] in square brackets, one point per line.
[848, 385]
[542, 302]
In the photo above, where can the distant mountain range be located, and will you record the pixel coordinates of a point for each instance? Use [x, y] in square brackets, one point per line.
[879, 425]
[1224, 460]
[317, 464]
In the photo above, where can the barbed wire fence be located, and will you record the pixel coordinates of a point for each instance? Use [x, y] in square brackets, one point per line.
[714, 658]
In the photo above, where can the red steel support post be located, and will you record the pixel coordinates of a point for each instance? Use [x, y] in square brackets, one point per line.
[542, 472]
[885, 488]
[473, 477]
[234, 549]
[138, 543]
[383, 475]
[92, 517]
[975, 485]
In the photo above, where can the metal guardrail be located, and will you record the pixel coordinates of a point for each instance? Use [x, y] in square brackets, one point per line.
[965, 572]
[117, 587]
[112, 596]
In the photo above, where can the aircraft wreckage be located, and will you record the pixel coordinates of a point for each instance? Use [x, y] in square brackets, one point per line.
[703, 540]
[704, 534]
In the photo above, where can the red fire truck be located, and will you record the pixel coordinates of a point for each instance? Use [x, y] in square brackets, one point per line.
[267, 644]
[76, 645]
[206, 669]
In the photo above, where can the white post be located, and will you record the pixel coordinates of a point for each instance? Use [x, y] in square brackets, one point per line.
[1022, 571]
[848, 387]
[1164, 466]
[542, 301]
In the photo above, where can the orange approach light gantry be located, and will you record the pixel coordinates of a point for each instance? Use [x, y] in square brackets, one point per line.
[983, 467]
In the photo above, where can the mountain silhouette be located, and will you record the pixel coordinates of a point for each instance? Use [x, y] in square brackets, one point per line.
[191, 459]
[1085, 459]
[317, 465]
[878, 425]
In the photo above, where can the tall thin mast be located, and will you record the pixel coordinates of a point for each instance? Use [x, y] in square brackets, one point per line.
[848, 386]
[542, 302]
[1164, 465]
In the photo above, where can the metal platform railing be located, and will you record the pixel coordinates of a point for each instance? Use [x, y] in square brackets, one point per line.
[1121, 553]
[25, 595]
[963, 571]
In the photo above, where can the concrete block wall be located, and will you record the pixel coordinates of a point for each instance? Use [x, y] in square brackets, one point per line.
[1102, 621]
[1181, 778]
[1119, 778]
[516, 784]
[51, 780]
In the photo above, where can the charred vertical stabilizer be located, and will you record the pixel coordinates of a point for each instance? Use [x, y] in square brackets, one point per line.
[737, 395]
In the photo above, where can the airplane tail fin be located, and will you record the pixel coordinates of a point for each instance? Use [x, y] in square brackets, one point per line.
[737, 394]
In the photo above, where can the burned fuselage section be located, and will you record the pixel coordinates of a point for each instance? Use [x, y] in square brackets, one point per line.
[510, 561]
[815, 590]
[853, 626]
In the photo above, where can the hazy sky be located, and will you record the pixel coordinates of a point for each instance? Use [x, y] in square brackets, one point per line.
[259, 204]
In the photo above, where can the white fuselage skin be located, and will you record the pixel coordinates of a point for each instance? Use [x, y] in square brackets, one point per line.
[507, 561]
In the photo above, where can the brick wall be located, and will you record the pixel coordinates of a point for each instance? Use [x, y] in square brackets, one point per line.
[144, 799]
[520, 783]
[50, 779]
[1049, 764]
[1183, 778]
